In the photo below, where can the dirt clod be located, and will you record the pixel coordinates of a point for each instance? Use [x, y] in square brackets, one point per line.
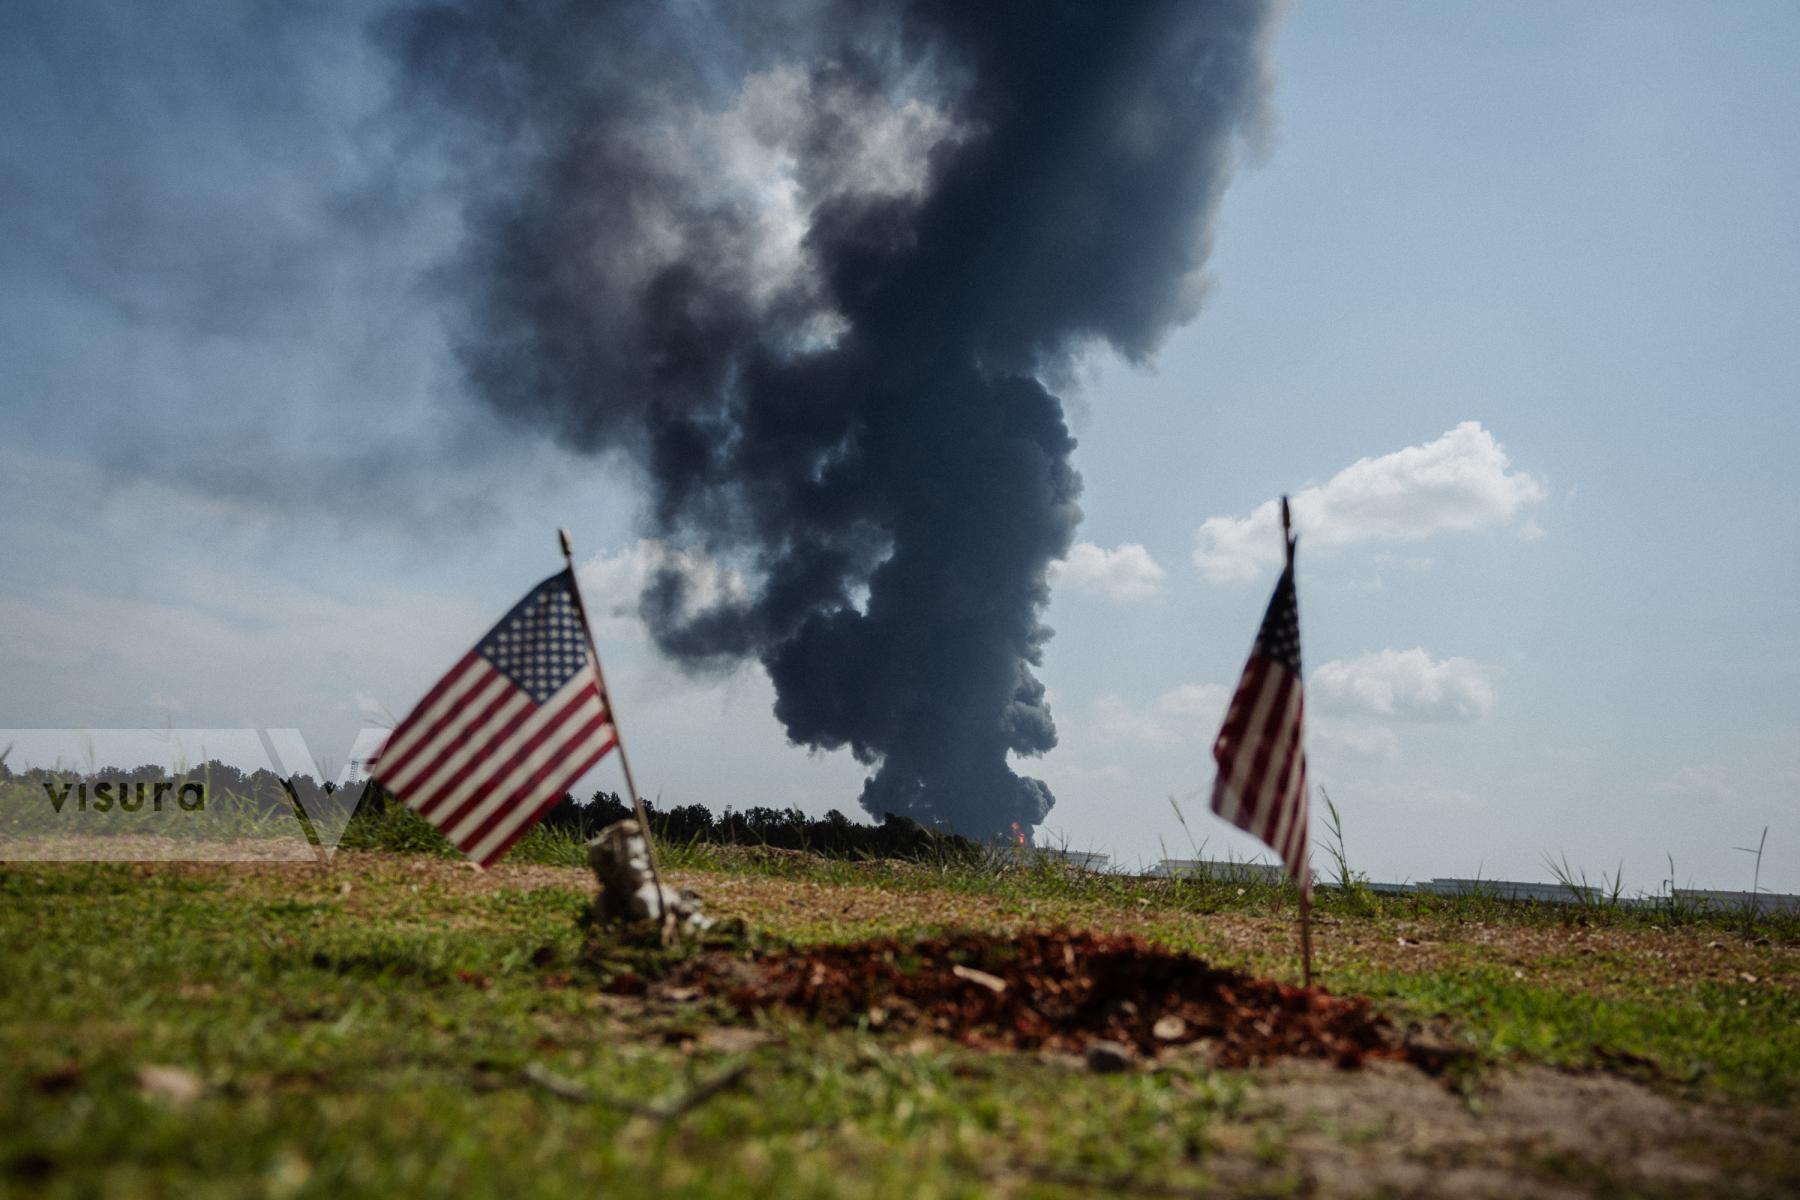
[1059, 990]
[1108, 1057]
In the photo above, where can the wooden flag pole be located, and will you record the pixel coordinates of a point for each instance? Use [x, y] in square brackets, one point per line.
[612, 714]
[1306, 971]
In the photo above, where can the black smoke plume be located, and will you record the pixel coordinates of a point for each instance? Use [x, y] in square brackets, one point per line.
[810, 266]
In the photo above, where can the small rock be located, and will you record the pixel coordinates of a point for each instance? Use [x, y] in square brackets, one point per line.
[1108, 1058]
[289, 1172]
[992, 983]
[171, 1085]
[733, 1039]
[1168, 1029]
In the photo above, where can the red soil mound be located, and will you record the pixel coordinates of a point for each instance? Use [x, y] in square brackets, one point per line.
[1062, 990]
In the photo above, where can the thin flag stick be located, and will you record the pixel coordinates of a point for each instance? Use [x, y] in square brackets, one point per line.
[1306, 970]
[1306, 973]
[637, 801]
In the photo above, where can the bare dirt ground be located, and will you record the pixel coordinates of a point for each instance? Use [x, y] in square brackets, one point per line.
[1389, 1130]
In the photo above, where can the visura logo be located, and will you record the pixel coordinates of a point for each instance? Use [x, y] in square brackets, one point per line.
[104, 795]
[214, 794]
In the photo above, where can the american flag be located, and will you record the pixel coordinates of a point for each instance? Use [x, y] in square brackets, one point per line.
[1261, 751]
[501, 737]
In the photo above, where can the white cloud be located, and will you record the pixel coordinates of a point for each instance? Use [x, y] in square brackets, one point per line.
[1461, 482]
[1758, 773]
[1422, 800]
[258, 650]
[1365, 738]
[1201, 702]
[1708, 784]
[611, 583]
[1127, 573]
[1117, 721]
[1408, 684]
[1189, 714]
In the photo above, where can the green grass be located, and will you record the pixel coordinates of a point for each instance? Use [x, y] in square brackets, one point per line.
[369, 1030]
[1045, 879]
[1731, 1034]
[1735, 1037]
[363, 1056]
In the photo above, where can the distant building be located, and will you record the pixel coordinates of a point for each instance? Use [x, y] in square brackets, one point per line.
[1560, 893]
[1222, 871]
[1085, 860]
[1762, 902]
[1264, 873]
[1503, 889]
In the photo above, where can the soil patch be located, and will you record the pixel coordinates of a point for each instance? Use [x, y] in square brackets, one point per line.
[1532, 1131]
[1059, 990]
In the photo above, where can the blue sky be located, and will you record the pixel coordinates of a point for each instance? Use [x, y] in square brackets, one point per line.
[1533, 267]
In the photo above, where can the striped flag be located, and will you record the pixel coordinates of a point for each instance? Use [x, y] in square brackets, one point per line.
[1261, 751]
[501, 737]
